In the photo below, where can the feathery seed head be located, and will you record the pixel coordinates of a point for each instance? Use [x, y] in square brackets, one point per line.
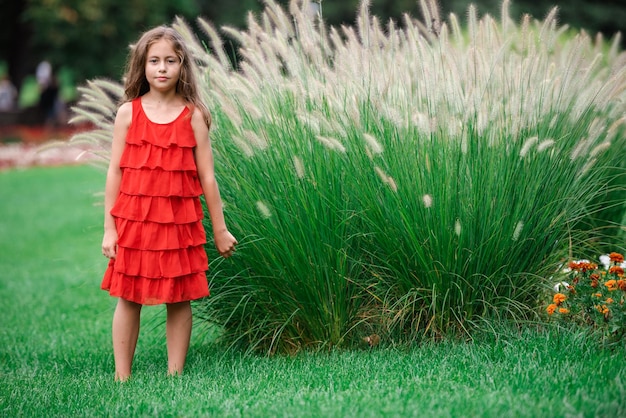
[373, 145]
[528, 144]
[386, 178]
[331, 143]
[254, 139]
[298, 166]
[518, 230]
[243, 145]
[600, 148]
[263, 209]
[427, 200]
[545, 144]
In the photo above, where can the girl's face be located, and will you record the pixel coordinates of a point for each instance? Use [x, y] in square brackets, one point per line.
[162, 66]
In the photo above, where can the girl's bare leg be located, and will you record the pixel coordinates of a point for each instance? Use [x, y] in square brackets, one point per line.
[178, 331]
[125, 333]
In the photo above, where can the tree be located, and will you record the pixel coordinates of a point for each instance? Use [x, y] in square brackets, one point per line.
[14, 37]
[89, 36]
[92, 36]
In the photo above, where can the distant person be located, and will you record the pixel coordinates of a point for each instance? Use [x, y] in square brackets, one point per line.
[8, 94]
[43, 73]
[161, 163]
[49, 103]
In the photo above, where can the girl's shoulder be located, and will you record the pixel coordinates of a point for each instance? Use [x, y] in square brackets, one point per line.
[200, 115]
[124, 113]
[197, 115]
[125, 107]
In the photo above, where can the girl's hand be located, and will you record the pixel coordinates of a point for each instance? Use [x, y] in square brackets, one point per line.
[225, 243]
[109, 243]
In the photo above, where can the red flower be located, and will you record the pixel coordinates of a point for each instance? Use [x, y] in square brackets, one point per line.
[582, 266]
[616, 258]
[619, 271]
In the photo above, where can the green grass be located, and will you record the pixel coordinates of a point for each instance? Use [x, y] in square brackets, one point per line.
[56, 358]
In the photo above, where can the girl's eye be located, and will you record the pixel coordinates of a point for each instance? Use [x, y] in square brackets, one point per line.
[171, 61]
[152, 61]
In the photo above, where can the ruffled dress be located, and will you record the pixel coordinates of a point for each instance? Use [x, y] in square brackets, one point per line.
[158, 215]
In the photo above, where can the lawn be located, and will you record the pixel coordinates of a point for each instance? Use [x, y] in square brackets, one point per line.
[56, 357]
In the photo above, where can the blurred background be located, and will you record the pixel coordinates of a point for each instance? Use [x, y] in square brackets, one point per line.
[48, 47]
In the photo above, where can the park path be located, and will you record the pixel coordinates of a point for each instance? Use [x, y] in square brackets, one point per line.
[34, 150]
[20, 155]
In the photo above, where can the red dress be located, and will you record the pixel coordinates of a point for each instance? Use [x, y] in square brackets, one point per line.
[158, 215]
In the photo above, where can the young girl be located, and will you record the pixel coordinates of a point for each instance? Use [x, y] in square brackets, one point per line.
[161, 162]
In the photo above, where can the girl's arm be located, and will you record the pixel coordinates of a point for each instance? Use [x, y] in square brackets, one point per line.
[224, 241]
[114, 176]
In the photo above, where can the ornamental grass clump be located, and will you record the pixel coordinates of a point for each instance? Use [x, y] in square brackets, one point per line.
[399, 180]
[594, 297]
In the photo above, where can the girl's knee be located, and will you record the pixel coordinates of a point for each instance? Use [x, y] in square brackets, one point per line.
[127, 304]
[178, 305]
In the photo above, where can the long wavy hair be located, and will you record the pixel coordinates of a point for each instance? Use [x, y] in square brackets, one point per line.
[135, 82]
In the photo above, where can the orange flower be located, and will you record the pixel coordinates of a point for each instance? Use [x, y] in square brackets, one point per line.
[619, 271]
[621, 283]
[602, 309]
[594, 276]
[559, 298]
[594, 283]
[563, 311]
[609, 300]
[551, 308]
[598, 295]
[582, 266]
[616, 258]
[611, 285]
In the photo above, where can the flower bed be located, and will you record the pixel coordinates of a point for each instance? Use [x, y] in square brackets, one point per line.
[594, 296]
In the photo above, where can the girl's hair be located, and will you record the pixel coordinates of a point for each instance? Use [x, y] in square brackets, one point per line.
[136, 84]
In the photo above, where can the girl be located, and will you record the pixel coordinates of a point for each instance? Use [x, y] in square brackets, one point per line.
[161, 162]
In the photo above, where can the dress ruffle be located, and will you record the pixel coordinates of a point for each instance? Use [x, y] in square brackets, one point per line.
[158, 215]
[161, 264]
[154, 236]
[158, 182]
[179, 210]
[177, 133]
[147, 155]
[153, 292]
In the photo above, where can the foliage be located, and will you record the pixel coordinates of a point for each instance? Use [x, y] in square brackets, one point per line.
[404, 182]
[92, 36]
[594, 297]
